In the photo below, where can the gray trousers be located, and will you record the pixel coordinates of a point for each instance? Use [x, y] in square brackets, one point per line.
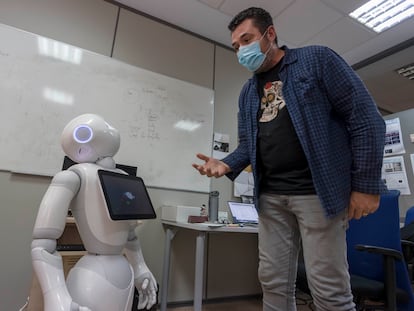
[285, 221]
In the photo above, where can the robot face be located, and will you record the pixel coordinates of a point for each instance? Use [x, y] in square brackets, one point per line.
[88, 138]
[83, 134]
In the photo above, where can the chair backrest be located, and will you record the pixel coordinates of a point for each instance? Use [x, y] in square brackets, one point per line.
[382, 229]
[409, 216]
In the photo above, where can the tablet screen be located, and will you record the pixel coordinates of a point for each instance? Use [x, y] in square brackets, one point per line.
[126, 196]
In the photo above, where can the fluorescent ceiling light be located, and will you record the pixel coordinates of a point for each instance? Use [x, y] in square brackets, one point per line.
[379, 15]
[59, 50]
[187, 125]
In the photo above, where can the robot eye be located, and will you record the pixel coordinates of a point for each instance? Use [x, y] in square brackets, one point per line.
[83, 134]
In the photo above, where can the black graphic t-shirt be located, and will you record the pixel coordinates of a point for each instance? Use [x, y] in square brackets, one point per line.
[282, 162]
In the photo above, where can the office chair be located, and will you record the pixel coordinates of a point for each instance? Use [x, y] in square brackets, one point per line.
[379, 276]
[409, 216]
[407, 241]
[376, 263]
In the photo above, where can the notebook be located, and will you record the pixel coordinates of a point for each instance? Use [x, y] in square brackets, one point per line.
[126, 196]
[243, 213]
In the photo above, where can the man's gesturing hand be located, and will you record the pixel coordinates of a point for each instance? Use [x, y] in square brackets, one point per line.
[211, 167]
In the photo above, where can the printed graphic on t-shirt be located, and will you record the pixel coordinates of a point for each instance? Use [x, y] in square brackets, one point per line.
[272, 101]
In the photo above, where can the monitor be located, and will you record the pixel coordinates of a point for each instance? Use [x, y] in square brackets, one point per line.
[126, 196]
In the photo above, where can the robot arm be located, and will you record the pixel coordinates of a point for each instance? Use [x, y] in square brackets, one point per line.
[49, 226]
[144, 280]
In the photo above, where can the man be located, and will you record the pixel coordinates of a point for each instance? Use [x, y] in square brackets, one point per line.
[314, 138]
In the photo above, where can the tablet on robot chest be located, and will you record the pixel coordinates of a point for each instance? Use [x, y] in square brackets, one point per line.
[126, 196]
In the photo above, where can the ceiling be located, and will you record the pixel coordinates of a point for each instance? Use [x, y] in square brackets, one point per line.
[303, 22]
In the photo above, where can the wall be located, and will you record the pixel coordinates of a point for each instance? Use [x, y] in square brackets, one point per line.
[407, 128]
[104, 28]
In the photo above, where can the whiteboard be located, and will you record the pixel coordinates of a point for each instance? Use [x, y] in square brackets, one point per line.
[45, 83]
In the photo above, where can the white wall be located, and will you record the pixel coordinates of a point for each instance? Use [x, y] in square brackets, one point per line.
[91, 24]
[160, 48]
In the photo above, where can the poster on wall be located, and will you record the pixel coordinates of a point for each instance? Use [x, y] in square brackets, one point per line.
[393, 138]
[412, 161]
[221, 144]
[395, 175]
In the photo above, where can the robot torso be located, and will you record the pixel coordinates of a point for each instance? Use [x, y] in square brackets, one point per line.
[100, 234]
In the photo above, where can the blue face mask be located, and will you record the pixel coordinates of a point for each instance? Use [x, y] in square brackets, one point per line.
[251, 56]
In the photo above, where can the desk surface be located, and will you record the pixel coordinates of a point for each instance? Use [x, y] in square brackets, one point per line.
[208, 227]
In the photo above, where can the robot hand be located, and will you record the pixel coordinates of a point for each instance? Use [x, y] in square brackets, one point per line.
[143, 278]
[147, 290]
[75, 307]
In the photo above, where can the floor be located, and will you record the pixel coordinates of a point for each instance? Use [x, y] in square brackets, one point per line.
[304, 303]
[239, 305]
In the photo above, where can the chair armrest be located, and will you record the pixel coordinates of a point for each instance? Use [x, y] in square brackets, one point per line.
[407, 243]
[380, 250]
[408, 250]
[390, 279]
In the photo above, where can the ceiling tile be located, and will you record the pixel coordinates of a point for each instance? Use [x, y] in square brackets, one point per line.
[281, 42]
[383, 41]
[213, 3]
[343, 36]
[192, 15]
[232, 7]
[344, 6]
[304, 19]
[390, 63]
[298, 22]
[391, 91]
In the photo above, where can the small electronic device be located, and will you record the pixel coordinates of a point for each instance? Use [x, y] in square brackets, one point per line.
[243, 213]
[126, 196]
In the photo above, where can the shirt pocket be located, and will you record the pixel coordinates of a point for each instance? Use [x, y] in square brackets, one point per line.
[307, 91]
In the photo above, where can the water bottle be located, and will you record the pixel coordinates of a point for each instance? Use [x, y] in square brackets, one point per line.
[213, 206]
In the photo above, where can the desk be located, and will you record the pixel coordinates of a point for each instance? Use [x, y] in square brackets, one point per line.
[171, 229]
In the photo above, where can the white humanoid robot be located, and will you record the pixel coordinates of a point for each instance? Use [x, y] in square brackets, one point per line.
[103, 279]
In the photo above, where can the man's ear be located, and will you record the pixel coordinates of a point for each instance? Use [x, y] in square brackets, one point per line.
[271, 33]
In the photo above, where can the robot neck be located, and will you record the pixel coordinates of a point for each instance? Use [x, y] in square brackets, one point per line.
[107, 162]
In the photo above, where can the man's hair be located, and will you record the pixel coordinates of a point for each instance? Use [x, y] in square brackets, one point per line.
[260, 18]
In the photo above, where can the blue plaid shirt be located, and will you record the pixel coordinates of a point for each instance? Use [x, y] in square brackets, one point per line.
[335, 118]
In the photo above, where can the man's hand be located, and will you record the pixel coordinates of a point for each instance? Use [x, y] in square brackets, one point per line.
[362, 204]
[211, 167]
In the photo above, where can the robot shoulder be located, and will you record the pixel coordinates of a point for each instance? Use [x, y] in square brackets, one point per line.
[68, 179]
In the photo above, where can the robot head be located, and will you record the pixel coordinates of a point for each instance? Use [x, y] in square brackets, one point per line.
[88, 138]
